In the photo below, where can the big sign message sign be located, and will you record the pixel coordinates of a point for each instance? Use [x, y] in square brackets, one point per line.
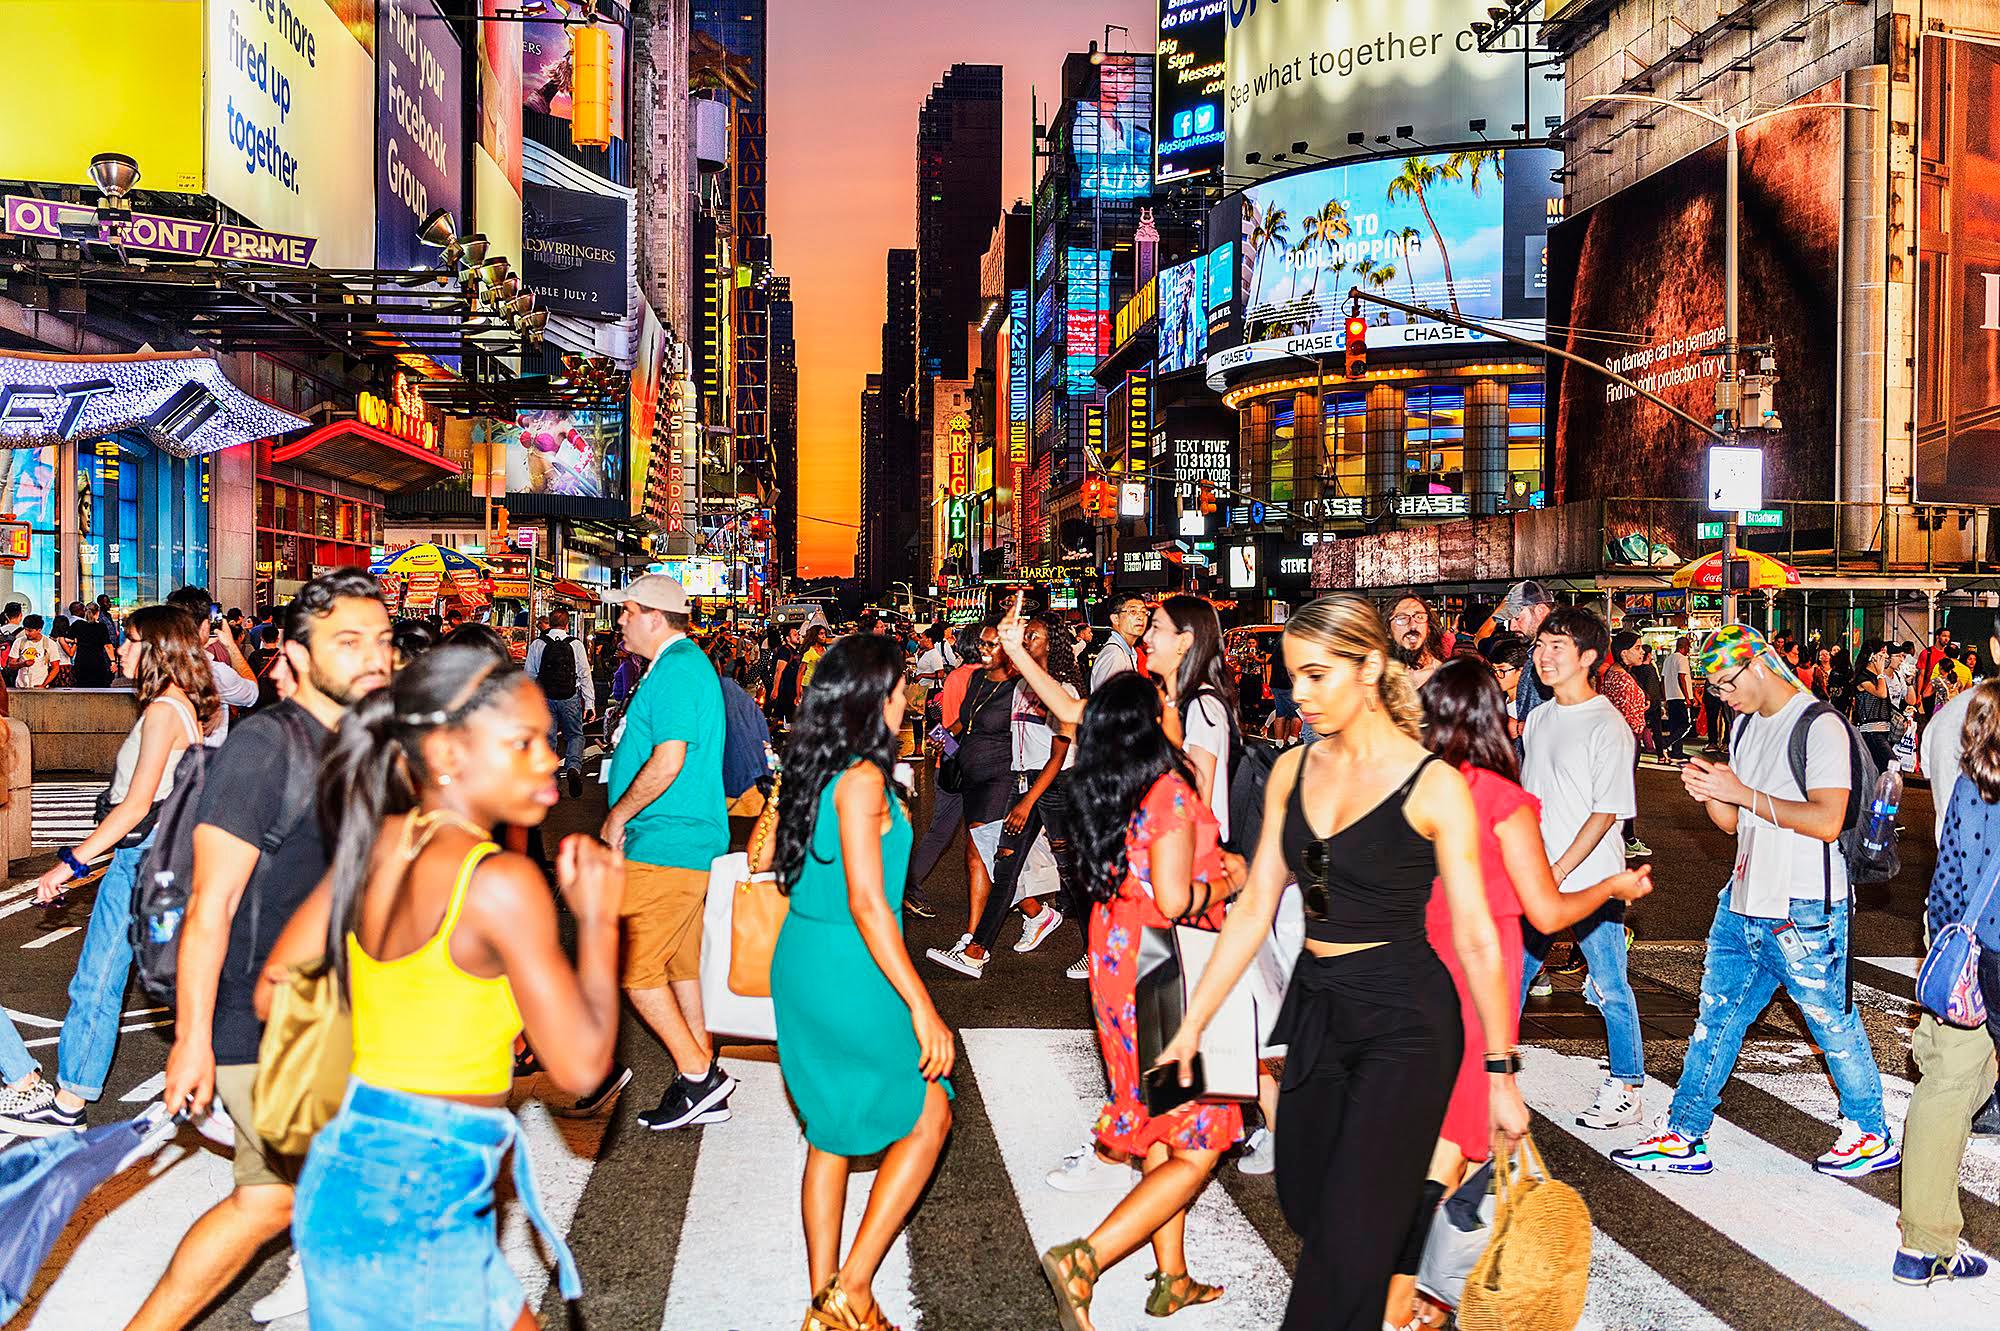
[420, 164]
[1320, 70]
[290, 124]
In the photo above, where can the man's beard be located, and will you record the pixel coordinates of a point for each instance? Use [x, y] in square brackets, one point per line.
[1413, 657]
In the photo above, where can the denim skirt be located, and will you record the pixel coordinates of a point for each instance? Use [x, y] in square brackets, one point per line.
[395, 1222]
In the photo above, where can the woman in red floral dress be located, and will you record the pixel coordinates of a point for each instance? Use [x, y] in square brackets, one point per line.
[1147, 851]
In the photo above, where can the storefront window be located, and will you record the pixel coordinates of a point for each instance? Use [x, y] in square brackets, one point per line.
[29, 492]
[142, 521]
[1346, 465]
[1524, 443]
[303, 532]
[1434, 442]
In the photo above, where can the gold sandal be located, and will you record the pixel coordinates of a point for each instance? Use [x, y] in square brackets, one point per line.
[831, 1310]
[1082, 1260]
[1164, 1302]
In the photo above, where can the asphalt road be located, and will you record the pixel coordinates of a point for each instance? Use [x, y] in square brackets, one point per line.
[698, 1230]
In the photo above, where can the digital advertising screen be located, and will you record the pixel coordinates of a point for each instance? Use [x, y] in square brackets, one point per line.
[1636, 284]
[1189, 76]
[573, 453]
[1444, 232]
[1183, 316]
[1088, 328]
[1112, 140]
[1221, 283]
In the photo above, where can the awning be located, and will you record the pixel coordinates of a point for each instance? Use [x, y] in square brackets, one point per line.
[574, 591]
[352, 451]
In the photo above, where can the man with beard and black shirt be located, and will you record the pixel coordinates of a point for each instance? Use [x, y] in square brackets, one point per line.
[1417, 638]
[257, 855]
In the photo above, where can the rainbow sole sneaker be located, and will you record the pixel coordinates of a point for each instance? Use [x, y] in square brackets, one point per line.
[1666, 1152]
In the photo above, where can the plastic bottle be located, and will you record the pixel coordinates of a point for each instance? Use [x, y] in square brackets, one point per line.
[1878, 834]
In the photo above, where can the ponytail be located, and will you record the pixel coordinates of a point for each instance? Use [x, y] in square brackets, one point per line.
[1398, 691]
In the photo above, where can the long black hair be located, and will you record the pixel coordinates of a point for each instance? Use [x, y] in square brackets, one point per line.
[375, 765]
[839, 720]
[1465, 717]
[1121, 750]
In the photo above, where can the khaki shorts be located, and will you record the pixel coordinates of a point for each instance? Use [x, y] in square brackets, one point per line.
[255, 1163]
[662, 914]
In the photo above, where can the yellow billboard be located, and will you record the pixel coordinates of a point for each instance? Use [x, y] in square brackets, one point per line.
[97, 76]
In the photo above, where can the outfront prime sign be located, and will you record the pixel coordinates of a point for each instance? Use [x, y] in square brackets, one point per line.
[1320, 70]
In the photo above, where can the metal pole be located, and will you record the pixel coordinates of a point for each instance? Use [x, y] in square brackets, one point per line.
[1729, 364]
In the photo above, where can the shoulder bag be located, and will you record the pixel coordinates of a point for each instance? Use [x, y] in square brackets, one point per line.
[1536, 1268]
[303, 1060]
[1948, 982]
[758, 906]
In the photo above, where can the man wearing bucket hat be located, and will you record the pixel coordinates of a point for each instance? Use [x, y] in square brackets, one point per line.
[1783, 919]
[670, 818]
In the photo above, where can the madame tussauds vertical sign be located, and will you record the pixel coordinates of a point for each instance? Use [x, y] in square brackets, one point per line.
[289, 126]
[1319, 70]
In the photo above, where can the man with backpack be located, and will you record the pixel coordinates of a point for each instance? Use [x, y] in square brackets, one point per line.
[252, 852]
[1796, 784]
[556, 661]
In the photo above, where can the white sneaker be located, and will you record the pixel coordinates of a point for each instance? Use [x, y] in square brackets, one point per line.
[1856, 1153]
[1543, 986]
[1260, 1155]
[955, 959]
[1617, 1106]
[217, 1126]
[1038, 927]
[1085, 1171]
[20, 1099]
[1080, 968]
[287, 1300]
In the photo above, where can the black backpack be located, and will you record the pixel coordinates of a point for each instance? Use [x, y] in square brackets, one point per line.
[1251, 758]
[558, 670]
[166, 874]
[1861, 868]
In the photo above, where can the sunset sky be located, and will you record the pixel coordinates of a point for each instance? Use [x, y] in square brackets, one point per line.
[846, 81]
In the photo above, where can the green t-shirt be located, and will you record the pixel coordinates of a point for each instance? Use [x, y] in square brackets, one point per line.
[680, 698]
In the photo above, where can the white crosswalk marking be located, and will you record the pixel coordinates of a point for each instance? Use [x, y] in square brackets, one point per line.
[1042, 1090]
[1901, 965]
[743, 1216]
[54, 935]
[1625, 1294]
[1828, 1236]
[62, 812]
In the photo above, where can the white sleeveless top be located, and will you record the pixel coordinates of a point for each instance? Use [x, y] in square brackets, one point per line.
[128, 755]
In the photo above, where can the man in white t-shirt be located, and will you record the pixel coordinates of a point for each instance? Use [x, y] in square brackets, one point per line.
[1678, 686]
[938, 659]
[1577, 760]
[1120, 651]
[1783, 919]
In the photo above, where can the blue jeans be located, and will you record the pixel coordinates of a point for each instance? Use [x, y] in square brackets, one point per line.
[566, 735]
[395, 1214]
[15, 1060]
[97, 990]
[1744, 969]
[1601, 938]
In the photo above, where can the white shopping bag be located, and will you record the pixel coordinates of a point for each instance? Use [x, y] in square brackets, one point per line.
[1229, 1043]
[724, 1011]
[1039, 875]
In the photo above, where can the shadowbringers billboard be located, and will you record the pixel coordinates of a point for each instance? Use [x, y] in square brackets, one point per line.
[1318, 71]
[1636, 284]
[1958, 274]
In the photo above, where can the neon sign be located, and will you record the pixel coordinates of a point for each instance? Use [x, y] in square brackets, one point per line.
[961, 454]
[1017, 378]
[404, 415]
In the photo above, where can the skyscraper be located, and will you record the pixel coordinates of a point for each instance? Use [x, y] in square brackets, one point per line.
[868, 541]
[785, 425]
[894, 470]
[958, 198]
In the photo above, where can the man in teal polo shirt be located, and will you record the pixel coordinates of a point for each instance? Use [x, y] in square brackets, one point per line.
[670, 818]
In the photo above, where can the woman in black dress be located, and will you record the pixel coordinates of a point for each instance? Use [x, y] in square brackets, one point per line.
[1365, 819]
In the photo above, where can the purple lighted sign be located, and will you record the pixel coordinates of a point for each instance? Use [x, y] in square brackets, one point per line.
[188, 238]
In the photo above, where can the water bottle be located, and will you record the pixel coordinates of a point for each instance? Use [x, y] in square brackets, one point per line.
[1878, 834]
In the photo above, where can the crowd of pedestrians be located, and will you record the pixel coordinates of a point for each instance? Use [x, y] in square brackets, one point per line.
[1380, 874]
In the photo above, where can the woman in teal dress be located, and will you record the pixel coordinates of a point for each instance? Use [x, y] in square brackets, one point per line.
[864, 1053]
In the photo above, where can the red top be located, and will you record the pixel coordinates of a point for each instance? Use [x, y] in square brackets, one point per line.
[1170, 805]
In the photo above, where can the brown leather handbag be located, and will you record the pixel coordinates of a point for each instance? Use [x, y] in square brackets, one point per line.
[756, 913]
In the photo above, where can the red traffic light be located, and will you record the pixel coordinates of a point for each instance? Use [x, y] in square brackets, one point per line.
[1357, 330]
[1357, 346]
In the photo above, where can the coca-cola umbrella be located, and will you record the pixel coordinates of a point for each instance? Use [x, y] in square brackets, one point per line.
[44, 1180]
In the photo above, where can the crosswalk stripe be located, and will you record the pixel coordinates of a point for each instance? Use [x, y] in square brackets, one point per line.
[562, 1152]
[1625, 1293]
[1042, 1090]
[1901, 965]
[743, 1216]
[54, 935]
[1815, 1230]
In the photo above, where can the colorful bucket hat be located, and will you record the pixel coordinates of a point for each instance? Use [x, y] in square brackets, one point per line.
[1735, 645]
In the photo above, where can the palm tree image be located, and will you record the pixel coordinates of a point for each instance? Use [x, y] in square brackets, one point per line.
[1418, 176]
[1328, 227]
[1412, 240]
[1264, 231]
[1378, 276]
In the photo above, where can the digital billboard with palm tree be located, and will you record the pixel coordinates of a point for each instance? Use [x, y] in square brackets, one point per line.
[1460, 232]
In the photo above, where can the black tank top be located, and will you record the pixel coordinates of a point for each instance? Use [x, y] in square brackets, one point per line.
[1371, 881]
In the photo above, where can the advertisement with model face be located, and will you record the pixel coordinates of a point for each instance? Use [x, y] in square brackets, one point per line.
[1318, 71]
[1958, 282]
[1637, 282]
[290, 123]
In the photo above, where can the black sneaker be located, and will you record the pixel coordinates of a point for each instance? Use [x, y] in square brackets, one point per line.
[575, 782]
[599, 1100]
[1986, 1123]
[692, 1103]
[1567, 963]
[35, 1113]
[919, 905]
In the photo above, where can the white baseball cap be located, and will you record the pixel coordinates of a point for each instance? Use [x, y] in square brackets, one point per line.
[655, 591]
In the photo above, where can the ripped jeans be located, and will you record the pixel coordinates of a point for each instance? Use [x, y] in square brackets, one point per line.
[1744, 969]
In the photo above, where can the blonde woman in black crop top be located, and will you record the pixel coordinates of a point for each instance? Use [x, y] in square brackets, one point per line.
[1371, 1018]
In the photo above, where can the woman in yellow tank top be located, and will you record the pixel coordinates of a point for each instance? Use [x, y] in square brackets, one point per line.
[446, 946]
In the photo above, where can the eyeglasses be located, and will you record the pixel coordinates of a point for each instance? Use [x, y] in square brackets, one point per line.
[1318, 860]
[1405, 621]
[1506, 670]
[1729, 685]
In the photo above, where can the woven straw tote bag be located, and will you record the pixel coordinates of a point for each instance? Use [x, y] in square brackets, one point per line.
[1536, 1267]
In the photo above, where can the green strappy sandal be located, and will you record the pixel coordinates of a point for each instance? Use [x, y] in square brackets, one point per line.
[1164, 1302]
[1082, 1260]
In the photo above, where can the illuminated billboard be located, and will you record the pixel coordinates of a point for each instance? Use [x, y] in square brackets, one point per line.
[1112, 140]
[1183, 315]
[1446, 232]
[1088, 325]
[1017, 377]
[1221, 282]
[1320, 70]
[572, 453]
[1187, 89]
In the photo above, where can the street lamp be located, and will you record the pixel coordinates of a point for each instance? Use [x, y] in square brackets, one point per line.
[1732, 127]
